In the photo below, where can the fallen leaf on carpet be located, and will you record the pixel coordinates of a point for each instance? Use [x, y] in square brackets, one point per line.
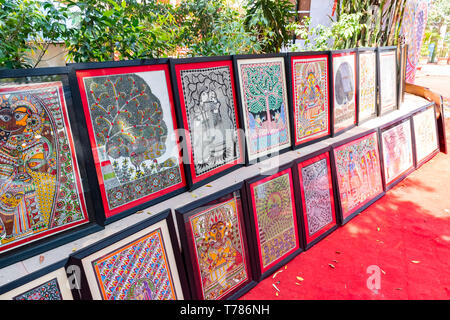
[285, 267]
[335, 261]
[384, 272]
[208, 185]
[338, 252]
[275, 274]
[273, 284]
[398, 289]
[331, 265]
[297, 283]
[378, 229]
[276, 293]
[415, 261]
[300, 278]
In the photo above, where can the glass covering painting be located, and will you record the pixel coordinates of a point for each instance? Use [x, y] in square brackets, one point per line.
[367, 85]
[311, 104]
[131, 125]
[264, 99]
[46, 291]
[388, 81]
[358, 173]
[219, 249]
[425, 134]
[344, 112]
[40, 188]
[275, 218]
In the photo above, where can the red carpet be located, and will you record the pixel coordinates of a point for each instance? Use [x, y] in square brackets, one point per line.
[406, 234]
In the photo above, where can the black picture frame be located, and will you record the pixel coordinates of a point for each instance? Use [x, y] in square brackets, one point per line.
[240, 105]
[298, 199]
[179, 113]
[252, 229]
[402, 55]
[360, 51]
[341, 219]
[96, 220]
[91, 166]
[334, 53]
[380, 51]
[33, 276]
[289, 75]
[419, 162]
[182, 216]
[387, 186]
[81, 290]
[441, 127]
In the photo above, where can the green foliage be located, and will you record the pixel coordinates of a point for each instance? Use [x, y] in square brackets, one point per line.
[28, 26]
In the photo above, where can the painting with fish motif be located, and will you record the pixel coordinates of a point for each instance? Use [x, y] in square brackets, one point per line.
[344, 90]
[309, 84]
[208, 112]
[425, 135]
[367, 84]
[213, 237]
[314, 190]
[264, 100]
[273, 220]
[132, 127]
[138, 263]
[358, 173]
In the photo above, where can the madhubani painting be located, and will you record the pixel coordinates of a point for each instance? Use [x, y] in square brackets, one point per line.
[264, 100]
[137, 271]
[388, 81]
[275, 218]
[311, 101]
[358, 172]
[131, 125]
[40, 187]
[397, 151]
[317, 195]
[344, 112]
[208, 101]
[219, 249]
[367, 85]
[47, 291]
[425, 134]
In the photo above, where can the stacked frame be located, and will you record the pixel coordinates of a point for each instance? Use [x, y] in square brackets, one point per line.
[397, 151]
[309, 94]
[425, 132]
[273, 223]
[132, 129]
[343, 90]
[50, 284]
[208, 113]
[366, 84]
[142, 262]
[215, 246]
[387, 80]
[357, 172]
[45, 196]
[315, 196]
[263, 104]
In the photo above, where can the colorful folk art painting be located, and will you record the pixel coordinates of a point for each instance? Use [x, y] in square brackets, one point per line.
[344, 112]
[264, 99]
[358, 172]
[311, 102]
[275, 218]
[47, 291]
[425, 134]
[397, 151]
[388, 81]
[136, 271]
[317, 195]
[209, 107]
[40, 188]
[219, 249]
[367, 85]
[131, 124]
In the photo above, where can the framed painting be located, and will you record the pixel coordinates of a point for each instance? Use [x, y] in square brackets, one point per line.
[44, 194]
[315, 196]
[50, 283]
[343, 90]
[367, 84]
[214, 245]
[272, 221]
[357, 171]
[425, 134]
[387, 79]
[309, 92]
[207, 105]
[263, 102]
[402, 53]
[132, 129]
[142, 262]
[397, 151]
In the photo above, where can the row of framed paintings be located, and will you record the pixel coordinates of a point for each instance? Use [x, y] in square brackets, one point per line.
[234, 238]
